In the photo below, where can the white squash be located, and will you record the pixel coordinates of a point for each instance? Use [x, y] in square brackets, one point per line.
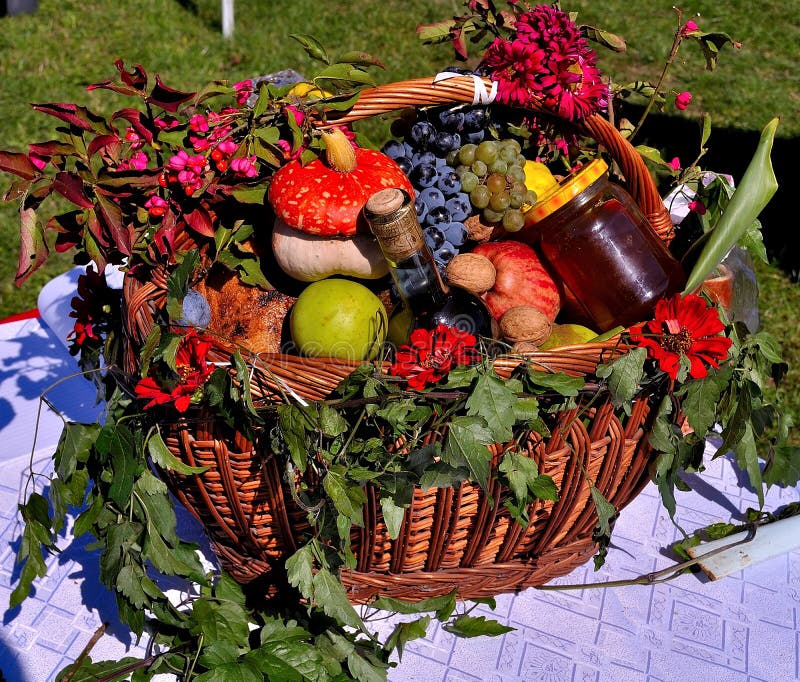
[310, 258]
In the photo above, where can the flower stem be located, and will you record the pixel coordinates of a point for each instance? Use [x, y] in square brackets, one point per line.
[676, 43]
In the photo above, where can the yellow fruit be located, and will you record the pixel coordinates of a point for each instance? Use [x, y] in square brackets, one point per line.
[539, 178]
[338, 318]
[308, 91]
[568, 335]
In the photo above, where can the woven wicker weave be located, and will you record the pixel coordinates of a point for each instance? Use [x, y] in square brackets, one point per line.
[451, 538]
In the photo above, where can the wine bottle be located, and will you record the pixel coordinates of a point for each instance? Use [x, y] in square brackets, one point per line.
[393, 220]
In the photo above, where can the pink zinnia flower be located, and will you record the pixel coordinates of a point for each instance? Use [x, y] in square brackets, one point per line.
[682, 100]
[178, 161]
[227, 147]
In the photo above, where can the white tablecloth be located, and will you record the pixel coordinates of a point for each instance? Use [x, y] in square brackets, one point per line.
[743, 627]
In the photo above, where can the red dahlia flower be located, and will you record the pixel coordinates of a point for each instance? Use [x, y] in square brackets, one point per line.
[547, 62]
[432, 354]
[193, 371]
[683, 326]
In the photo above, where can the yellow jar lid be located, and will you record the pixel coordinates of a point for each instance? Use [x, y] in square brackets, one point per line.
[567, 190]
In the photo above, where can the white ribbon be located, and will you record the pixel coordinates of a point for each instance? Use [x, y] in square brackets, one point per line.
[480, 96]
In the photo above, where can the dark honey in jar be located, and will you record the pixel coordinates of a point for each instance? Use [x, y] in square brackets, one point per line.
[598, 242]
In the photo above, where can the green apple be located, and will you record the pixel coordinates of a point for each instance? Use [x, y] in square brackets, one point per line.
[338, 318]
[568, 335]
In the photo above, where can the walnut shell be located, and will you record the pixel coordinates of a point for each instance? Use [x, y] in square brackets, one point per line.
[525, 323]
[480, 231]
[472, 272]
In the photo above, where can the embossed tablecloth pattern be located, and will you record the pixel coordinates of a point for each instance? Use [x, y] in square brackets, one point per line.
[744, 627]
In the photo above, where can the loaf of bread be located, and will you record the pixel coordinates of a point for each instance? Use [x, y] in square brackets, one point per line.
[246, 315]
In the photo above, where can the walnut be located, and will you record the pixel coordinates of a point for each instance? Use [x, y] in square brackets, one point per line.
[525, 323]
[480, 231]
[524, 347]
[472, 272]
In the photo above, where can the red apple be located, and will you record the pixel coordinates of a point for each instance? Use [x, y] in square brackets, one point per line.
[521, 279]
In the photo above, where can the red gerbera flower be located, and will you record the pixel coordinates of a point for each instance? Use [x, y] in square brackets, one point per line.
[547, 62]
[683, 326]
[193, 371]
[432, 354]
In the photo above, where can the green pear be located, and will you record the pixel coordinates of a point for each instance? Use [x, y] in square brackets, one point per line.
[338, 318]
[568, 335]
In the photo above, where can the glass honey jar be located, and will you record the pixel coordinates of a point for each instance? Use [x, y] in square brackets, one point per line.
[601, 246]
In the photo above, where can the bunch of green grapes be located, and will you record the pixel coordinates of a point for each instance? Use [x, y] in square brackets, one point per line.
[492, 173]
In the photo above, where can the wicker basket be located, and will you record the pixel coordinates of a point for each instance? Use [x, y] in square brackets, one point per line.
[451, 538]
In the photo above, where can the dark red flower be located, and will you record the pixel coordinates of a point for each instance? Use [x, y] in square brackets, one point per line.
[93, 309]
[547, 62]
[192, 372]
[431, 354]
[683, 326]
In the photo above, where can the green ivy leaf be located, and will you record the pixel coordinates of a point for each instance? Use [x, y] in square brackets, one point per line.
[348, 499]
[220, 621]
[241, 671]
[520, 471]
[442, 475]
[366, 668]
[88, 671]
[74, 446]
[494, 401]
[178, 283]
[562, 384]
[329, 594]
[292, 424]
[443, 606]
[701, 398]
[747, 458]
[392, 516]
[218, 653]
[467, 438]
[624, 376]
[162, 456]
[475, 626]
[407, 632]
[300, 571]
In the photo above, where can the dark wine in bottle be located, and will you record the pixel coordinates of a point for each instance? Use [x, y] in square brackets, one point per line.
[427, 301]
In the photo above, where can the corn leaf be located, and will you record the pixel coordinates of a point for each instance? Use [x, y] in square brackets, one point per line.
[754, 192]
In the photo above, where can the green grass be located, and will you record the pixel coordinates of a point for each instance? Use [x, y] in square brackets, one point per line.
[53, 54]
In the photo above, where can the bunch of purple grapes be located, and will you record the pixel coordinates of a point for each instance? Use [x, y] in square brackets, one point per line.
[428, 154]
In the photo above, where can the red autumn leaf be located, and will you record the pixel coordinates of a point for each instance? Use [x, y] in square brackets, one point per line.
[200, 221]
[18, 164]
[134, 82]
[51, 148]
[33, 247]
[102, 142]
[80, 117]
[167, 98]
[69, 228]
[111, 215]
[460, 44]
[134, 117]
[96, 232]
[70, 186]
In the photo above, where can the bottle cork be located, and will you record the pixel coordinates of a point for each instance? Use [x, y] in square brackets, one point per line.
[391, 216]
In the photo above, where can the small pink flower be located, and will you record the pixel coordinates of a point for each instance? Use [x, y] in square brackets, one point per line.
[139, 161]
[697, 206]
[689, 28]
[675, 164]
[682, 100]
[298, 115]
[134, 138]
[166, 122]
[245, 166]
[156, 206]
[197, 164]
[227, 147]
[38, 160]
[199, 144]
[243, 90]
[198, 123]
[178, 162]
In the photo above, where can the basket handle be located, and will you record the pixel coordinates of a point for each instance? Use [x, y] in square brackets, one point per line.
[425, 92]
